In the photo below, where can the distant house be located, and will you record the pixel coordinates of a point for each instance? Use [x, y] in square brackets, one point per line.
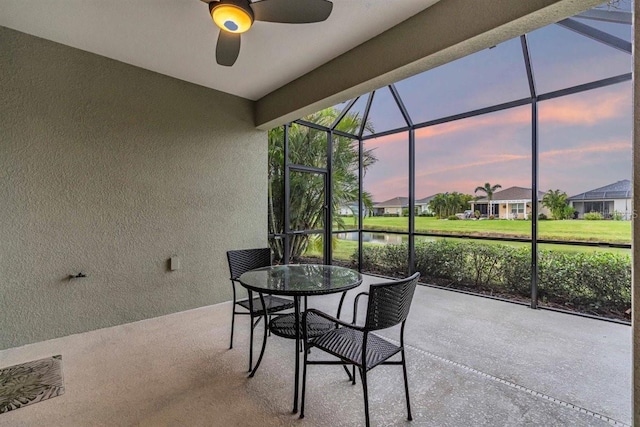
[606, 200]
[377, 211]
[397, 204]
[351, 208]
[510, 203]
[391, 207]
[348, 209]
[422, 205]
[345, 210]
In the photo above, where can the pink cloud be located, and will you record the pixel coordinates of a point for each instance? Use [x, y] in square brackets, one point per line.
[388, 187]
[571, 110]
[491, 146]
[384, 140]
[601, 147]
[585, 110]
[426, 183]
[505, 158]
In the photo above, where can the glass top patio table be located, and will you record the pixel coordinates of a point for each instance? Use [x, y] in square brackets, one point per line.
[301, 279]
[298, 280]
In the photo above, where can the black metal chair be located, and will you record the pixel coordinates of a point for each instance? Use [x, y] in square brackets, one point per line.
[388, 306]
[241, 261]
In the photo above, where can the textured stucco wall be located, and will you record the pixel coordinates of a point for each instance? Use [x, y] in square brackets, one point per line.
[109, 169]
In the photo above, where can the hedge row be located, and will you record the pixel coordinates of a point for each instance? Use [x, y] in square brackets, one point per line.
[591, 282]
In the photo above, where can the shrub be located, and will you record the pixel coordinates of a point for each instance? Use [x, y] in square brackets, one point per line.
[542, 216]
[440, 259]
[586, 281]
[482, 263]
[593, 216]
[452, 217]
[388, 260]
[568, 212]
[515, 270]
[593, 282]
[617, 216]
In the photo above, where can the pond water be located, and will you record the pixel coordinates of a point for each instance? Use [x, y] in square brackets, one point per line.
[395, 239]
[369, 237]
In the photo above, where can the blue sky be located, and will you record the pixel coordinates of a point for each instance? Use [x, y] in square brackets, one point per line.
[585, 138]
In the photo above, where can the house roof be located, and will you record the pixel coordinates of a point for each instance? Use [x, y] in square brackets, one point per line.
[402, 202]
[617, 190]
[392, 203]
[425, 200]
[511, 193]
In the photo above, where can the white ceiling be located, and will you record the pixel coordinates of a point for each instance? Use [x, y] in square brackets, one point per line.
[178, 38]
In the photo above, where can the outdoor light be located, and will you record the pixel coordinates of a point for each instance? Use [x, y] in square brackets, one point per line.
[234, 17]
[230, 17]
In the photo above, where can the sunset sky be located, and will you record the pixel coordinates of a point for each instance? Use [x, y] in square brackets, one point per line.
[585, 139]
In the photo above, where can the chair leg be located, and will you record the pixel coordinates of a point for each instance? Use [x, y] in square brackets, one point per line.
[406, 386]
[363, 377]
[348, 373]
[251, 345]
[353, 374]
[304, 383]
[251, 325]
[233, 319]
[233, 314]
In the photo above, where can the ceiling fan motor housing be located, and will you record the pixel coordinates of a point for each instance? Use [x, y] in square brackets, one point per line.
[234, 16]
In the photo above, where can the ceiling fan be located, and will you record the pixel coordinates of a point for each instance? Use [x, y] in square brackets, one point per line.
[235, 17]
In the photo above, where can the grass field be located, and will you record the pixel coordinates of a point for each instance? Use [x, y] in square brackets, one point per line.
[571, 230]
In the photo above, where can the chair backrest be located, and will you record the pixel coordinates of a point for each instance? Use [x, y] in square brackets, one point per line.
[243, 260]
[389, 303]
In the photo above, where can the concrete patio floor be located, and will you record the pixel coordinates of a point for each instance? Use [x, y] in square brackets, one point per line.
[472, 361]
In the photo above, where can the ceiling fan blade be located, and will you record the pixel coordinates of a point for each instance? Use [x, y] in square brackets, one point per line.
[292, 11]
[228, 48]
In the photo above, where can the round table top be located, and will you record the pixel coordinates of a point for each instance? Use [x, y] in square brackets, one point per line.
[301, 279]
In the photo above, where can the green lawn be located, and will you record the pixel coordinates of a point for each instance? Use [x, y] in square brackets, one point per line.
[569, 230]
[344, 249]
[573, 230]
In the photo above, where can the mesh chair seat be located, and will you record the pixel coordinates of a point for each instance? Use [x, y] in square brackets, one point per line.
[273, 304]
[346, 344]
[285, 325]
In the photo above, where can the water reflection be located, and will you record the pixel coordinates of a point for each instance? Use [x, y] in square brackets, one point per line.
[396, 239]
[370, 237]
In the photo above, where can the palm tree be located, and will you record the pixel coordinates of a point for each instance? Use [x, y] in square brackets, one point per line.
[438, 205]
[556, 201]
[489, 189]
[308, 147]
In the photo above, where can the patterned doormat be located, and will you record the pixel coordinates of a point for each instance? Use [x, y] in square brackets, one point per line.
[31, 382]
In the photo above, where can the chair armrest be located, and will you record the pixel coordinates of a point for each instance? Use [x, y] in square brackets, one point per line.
[355, 306]
[328, 317]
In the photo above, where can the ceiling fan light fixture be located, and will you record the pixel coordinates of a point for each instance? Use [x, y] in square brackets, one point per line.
[231, 18]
